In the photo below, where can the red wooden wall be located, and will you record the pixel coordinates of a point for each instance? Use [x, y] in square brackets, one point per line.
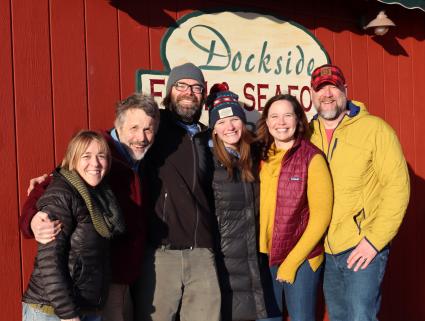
[63, 65]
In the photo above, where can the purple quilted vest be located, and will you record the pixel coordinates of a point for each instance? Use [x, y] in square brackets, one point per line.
[292, 212]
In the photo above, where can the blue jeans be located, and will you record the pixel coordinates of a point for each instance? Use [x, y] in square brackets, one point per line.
[353, 296]
[31, 314]
[301, 296]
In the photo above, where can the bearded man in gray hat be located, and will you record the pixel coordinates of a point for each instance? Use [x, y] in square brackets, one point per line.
[179, 271]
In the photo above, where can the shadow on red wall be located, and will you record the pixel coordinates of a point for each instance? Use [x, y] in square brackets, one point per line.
[404, 282]
[329, 14]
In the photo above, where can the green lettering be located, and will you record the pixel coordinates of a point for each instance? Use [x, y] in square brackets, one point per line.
[248, 67]
[288, 71]
[300, 63]
[237, 60]
[211, 50]
[278, 69]
[310, 66]
[264, 60]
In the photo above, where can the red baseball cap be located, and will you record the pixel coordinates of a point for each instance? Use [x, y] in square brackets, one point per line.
[327, 74]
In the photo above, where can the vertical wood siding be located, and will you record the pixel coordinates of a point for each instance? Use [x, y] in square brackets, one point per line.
[10, 261]
[64, 65]
[32, 101]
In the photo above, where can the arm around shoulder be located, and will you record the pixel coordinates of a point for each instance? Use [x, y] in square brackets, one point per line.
[29, 209]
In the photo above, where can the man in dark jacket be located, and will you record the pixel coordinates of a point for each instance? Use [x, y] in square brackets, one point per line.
[136, 121]
[179, 269]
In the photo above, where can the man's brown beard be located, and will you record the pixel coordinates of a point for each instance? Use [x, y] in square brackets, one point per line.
[189, 115]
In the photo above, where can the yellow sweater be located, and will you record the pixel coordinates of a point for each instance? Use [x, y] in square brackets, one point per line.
[320, 199]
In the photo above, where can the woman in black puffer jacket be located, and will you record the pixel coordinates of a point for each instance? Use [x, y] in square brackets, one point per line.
[245, 282]
[71, 273]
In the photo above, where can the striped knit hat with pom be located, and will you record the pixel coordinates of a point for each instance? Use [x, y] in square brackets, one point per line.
[223, 103]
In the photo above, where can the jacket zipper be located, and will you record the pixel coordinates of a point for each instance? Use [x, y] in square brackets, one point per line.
[192, 139]
[163, 207]
[335, 140]
[250, 199]
[333, 149]
[321, 136]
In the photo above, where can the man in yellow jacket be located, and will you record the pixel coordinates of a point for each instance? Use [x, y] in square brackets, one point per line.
[371, 193]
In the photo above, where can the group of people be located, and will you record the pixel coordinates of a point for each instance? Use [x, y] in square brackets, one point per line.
[163, 218]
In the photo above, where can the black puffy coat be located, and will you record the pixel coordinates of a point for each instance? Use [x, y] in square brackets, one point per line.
[71, 272]
[244, 276]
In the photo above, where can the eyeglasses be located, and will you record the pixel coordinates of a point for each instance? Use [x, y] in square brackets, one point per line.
[182, 86]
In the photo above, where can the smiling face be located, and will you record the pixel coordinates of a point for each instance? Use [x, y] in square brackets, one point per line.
[186, 103]
[136, 132]
[330, 101]
[92, 164]
[282, 123]
[229, 131]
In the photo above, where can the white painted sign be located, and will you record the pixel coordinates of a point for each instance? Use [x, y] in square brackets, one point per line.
[258, 55]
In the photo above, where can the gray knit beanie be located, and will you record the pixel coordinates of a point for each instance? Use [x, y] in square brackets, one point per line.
[185, 71]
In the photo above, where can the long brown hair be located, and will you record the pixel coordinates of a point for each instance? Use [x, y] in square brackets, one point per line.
[244, 163]
[263, 133]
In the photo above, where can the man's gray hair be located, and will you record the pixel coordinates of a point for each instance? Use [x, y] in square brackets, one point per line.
[136, 101]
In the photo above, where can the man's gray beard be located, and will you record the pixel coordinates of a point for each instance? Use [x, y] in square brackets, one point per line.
[332, 114]
[146, 150]
[142, 156]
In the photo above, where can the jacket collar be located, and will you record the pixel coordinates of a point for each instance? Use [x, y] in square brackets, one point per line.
[169, 118]
[293, 149]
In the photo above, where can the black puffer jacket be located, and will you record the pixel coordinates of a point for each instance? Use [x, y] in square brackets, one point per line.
[243, 272]
[71, 272]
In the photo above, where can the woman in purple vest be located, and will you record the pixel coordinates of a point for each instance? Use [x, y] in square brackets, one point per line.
[295, 205]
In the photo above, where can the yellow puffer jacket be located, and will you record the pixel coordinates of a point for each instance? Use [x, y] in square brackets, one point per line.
[370, 176]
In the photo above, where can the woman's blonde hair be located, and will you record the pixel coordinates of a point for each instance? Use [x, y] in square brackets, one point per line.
[79, 144]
